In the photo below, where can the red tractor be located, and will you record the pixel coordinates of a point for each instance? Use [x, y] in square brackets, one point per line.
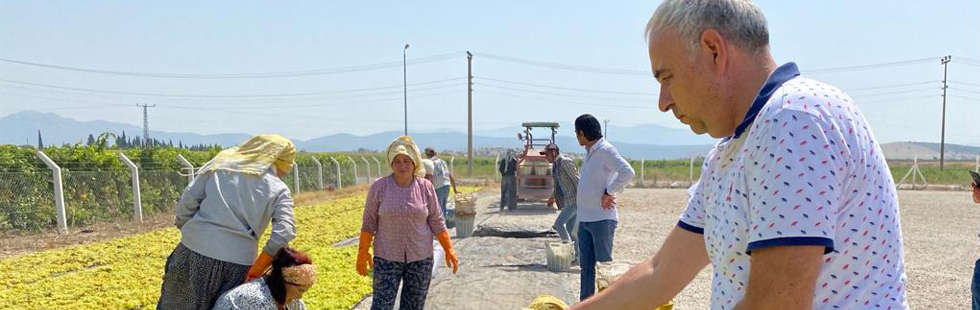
[534, 180]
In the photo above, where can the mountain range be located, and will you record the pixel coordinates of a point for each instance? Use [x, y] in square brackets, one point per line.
[644, 141]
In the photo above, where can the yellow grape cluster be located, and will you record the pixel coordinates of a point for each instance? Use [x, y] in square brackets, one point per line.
[126, 273]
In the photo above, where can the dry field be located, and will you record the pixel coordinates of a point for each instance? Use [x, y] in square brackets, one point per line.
[939, 231]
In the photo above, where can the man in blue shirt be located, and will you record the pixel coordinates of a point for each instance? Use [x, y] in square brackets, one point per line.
[604, 174]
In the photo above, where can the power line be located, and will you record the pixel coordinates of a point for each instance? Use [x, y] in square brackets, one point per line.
[976, 64]
[554, 65]
[307, 94]
[965, 97]
[280, 74]
[563, 101]
[961, 58]
[871, 66]
[567, 88]
[890, 86]
[321, 105]
[64, 100]
[895, 92]
[964, 90]
[563, 94]
[318, 104]
[965, 83]
[863, 102]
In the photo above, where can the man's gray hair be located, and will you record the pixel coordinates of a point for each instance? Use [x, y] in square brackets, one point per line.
[738, 21]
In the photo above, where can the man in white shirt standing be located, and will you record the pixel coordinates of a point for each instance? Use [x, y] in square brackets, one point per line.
[604, 174]
[795, 207]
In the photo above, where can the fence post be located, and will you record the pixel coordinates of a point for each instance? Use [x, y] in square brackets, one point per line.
[691, 177]
[977, 169]
[378, 162]
[187, 164]
[137, 206]
[354, 164]
[452, 164]
[336, 165]
[643, 169]
[496, 172]
[368, 171]
[296, 178]
[59, 193]
[319, 171]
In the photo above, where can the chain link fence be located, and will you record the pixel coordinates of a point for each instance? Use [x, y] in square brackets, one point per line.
[26, 201]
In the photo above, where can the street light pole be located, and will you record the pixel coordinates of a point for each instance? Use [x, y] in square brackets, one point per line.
[405, 83]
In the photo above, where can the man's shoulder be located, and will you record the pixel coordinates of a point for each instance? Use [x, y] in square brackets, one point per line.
[808, 96]
[806, 100]
[564, 161]
[606, 147]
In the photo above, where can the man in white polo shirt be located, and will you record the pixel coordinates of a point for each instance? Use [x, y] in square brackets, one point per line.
[795, 207]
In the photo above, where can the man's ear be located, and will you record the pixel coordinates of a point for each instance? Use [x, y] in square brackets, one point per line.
[714, 46]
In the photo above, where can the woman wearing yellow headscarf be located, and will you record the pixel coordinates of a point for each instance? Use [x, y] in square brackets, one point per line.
[221, 215]
[401, 216]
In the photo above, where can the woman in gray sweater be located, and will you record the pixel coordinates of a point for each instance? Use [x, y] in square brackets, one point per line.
[221, 216]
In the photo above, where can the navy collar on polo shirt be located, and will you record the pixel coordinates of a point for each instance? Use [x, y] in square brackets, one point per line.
[776, 79]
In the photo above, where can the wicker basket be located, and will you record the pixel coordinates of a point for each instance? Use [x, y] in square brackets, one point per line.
[465, 205]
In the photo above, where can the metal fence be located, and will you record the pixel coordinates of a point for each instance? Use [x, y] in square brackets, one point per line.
[58, 198]
[27, 201]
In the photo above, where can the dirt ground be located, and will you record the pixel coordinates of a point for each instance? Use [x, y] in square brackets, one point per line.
[939, 232]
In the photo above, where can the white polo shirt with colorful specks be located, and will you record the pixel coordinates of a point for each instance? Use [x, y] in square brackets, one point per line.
[803, 168]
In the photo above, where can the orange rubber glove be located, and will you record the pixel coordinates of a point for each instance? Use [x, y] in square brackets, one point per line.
[259, 266]
[364, 259]
[447, 246]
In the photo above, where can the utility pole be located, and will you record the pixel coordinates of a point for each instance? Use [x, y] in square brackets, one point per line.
[405, 83]
[942, 141]
[605, 130]
[146, 123]
[469, 97]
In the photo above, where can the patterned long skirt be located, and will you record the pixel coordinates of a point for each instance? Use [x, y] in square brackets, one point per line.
[195, 281]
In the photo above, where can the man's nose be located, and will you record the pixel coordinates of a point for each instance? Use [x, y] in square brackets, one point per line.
[665, 100]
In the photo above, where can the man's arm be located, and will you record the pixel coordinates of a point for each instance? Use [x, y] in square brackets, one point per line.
[782, 278]
[655, 281]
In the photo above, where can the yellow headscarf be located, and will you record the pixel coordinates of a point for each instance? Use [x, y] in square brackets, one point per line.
[255, 156]
[405, 145]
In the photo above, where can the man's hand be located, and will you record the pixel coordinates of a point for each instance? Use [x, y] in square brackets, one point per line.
[657, 280]
[976, 193]
[608, 201]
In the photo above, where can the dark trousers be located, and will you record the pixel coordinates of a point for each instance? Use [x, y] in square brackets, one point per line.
[595, 242]
[975, 287]
[508, 192]
[389, 275]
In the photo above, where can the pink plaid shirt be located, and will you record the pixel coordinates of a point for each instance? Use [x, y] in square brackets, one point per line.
[403, 220]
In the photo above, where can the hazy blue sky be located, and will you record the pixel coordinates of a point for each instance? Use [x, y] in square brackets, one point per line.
[235, 37]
